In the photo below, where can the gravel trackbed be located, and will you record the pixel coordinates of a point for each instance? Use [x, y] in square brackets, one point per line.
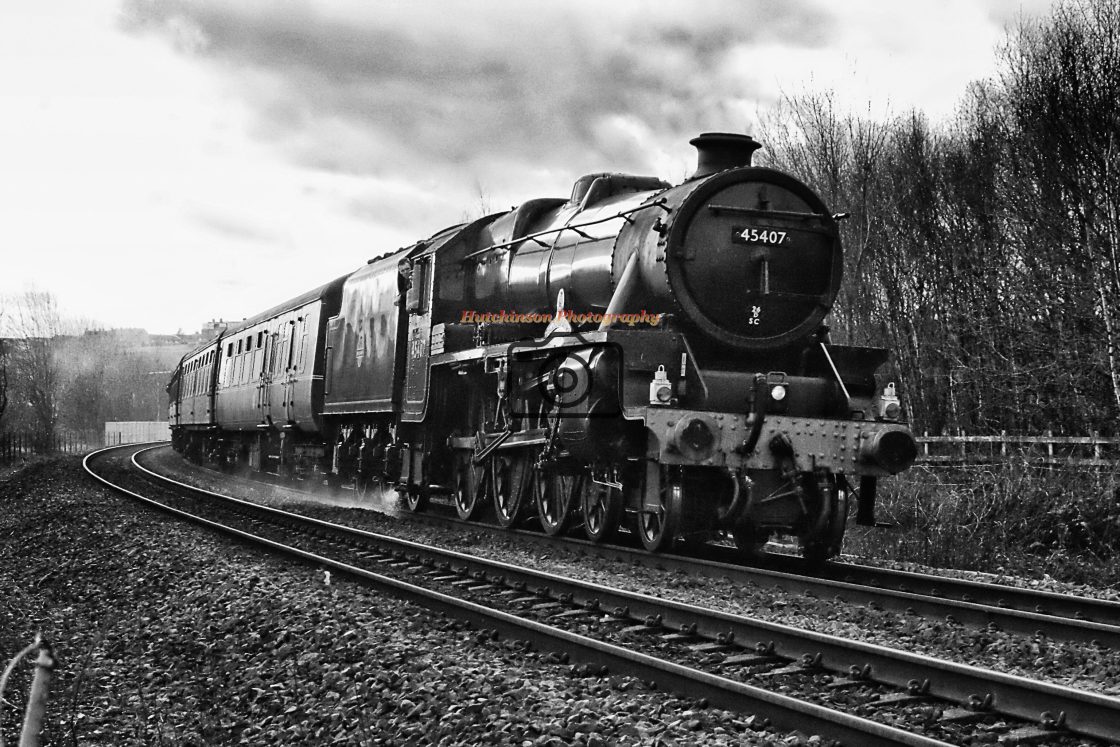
[168, 634]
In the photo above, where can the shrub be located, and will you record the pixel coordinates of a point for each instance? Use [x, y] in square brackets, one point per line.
[1014, 517]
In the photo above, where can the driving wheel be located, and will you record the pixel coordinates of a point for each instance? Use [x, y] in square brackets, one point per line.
[508, 487]
[556, 495]
[601, 507]
[470, 484]
[660, 518]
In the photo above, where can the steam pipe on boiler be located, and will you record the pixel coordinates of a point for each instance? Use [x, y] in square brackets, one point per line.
[622, 291]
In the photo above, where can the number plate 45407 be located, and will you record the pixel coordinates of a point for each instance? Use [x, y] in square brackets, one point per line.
[759, 235]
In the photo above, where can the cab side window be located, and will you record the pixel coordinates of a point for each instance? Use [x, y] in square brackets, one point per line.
[416, 301]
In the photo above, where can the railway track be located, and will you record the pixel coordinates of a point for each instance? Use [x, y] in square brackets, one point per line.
[1016, 610]
[703, 652]
[976, 604]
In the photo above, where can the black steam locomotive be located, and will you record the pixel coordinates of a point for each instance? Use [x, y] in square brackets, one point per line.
[637, 355]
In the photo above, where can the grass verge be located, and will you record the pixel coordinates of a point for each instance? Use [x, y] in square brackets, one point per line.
[1013, 518]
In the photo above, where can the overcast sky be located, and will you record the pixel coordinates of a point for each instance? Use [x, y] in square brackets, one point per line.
[163, 163]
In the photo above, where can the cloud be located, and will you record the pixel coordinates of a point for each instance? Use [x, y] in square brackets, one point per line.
[233, 225]
[1007, 14]
[386, 88]
[249, 149]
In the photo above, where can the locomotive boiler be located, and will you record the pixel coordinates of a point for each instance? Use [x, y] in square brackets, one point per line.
[638, 355]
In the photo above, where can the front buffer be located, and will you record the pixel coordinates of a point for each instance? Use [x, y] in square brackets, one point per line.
[755, 475]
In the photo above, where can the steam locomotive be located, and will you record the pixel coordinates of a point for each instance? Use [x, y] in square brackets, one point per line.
[637, 355]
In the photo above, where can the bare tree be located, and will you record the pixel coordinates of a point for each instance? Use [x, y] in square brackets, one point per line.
[985, 252]
[839, 154]
[3, 370]
[36, 324]
[1063, 92]
[482, 206]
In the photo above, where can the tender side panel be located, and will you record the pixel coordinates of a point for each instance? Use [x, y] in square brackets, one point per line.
[362, 341]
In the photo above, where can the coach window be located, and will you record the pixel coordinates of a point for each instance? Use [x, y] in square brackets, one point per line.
[229, 351]
[272, 352]
[302, 342]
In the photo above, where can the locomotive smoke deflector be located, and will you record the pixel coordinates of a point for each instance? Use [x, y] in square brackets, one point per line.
[719, 151]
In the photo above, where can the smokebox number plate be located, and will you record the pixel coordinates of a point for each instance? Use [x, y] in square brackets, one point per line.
[760, 235]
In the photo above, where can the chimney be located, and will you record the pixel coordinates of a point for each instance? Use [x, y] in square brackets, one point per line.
[718, 151]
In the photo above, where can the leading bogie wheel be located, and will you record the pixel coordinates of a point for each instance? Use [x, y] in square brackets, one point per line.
[470, 488]
[601, 506]
[658, 524]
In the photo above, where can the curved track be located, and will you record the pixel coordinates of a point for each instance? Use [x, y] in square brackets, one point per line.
[972, 603]
[740, 646]
[1017, 610]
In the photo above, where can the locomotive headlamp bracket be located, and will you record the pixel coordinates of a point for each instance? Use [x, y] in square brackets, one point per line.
[661, 389]
[890, 407]
[777, 385]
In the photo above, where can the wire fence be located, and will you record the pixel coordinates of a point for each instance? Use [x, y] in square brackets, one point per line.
[23, 444]
[1048, 450]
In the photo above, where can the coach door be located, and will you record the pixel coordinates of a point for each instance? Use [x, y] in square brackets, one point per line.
[418, 306]
[273, 365]
[264, 378]
[287, 353]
